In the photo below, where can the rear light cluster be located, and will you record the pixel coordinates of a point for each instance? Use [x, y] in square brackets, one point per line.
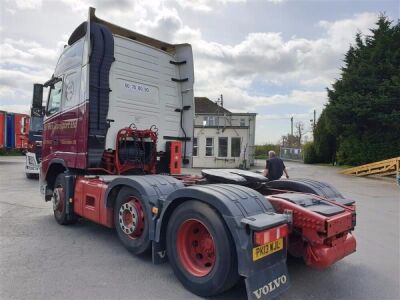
[354, 219]
[270, 235]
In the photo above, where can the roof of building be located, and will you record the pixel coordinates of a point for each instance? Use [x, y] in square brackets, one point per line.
[203, 105]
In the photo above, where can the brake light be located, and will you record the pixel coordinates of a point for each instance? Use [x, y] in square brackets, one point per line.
[353, 219]
[270, 235]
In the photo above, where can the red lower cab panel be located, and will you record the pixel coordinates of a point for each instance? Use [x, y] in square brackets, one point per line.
[321, 229]
[89, 201]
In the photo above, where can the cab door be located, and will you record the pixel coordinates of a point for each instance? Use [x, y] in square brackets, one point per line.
[61, 124]
[69, 116]
[51, 138]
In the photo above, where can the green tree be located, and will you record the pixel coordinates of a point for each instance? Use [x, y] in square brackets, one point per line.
[261, 151]
[361, 122]
[324, 140]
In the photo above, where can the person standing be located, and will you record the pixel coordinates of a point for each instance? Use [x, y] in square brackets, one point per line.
[275, 167]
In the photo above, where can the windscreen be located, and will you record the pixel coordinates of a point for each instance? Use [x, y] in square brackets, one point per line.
[36, 124]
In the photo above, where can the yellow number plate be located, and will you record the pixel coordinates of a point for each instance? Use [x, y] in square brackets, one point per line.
[267, 249]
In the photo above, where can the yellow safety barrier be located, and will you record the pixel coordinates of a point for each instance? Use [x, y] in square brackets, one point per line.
[388, 167]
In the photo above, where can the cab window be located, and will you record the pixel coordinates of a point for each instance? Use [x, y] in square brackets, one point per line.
[54, 102]
[71, 90]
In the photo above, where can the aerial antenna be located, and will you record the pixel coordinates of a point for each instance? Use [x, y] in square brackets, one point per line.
[220, 101]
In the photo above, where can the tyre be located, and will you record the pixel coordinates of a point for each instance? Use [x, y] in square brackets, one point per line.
[131, 222]
[59, 200]
[201, 250]
[306, 186]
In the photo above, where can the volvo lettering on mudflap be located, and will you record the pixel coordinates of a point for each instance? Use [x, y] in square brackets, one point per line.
[270, 287]
[120, 113]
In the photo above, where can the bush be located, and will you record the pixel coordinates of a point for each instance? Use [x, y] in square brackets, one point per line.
[310, 156]
[261, 151]
[362, 150]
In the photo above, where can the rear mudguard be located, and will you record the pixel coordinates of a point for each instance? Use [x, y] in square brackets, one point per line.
[244, 211]
[310, 186]
[154, 189]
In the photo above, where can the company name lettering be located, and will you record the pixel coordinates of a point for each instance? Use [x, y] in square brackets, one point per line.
[69, 124]
[270, 286]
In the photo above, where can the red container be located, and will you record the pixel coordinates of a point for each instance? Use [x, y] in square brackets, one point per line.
[21, 131]
[2, 129]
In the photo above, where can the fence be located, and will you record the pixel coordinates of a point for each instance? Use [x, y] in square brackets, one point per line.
[288, 153]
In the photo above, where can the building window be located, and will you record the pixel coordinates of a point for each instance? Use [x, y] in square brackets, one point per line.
[235, 147]
[210, 121]
[195, 147]
[210, 146]
[222, 146]
[242, 122]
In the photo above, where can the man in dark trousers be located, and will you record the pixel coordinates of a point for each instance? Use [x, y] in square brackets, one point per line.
[275, 167]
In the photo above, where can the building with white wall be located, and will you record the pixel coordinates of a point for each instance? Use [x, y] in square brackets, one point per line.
[222, 139]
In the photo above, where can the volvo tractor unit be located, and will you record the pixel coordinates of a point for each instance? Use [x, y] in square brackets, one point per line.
[118, 128]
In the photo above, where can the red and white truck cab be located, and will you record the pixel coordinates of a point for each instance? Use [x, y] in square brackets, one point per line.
[108, 78]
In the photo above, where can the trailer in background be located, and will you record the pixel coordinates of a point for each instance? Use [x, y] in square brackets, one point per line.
[14, 130]
[10, 131]
[21, 125]
[2, 129]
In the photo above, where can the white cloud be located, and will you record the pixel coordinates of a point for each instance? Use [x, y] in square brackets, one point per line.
[23, 63]
[16, 108]
[205, 5]
[25, 4]
[29, 54]
[299, 67]
[211, 5]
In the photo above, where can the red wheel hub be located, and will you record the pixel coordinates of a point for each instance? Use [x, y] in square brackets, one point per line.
[196, 248]
[131, 218]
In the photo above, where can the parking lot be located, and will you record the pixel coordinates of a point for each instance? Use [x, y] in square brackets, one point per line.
[40, 259]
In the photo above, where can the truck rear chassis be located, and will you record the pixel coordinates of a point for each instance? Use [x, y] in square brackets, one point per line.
[206, 231]
[142, 208]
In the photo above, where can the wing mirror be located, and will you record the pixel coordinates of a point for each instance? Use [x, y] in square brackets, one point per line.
[37, 99]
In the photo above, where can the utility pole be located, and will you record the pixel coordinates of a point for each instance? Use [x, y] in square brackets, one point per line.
[315, 113]
[222, 101]
[291, 125]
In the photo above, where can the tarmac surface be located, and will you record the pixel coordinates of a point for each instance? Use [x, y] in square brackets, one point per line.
[40, 259]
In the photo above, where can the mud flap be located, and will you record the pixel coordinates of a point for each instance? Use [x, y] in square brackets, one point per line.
[158, 253]
[69, 195]
[268, 283]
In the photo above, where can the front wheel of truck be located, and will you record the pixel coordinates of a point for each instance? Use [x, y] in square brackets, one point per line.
[59, 202]
[201, 250]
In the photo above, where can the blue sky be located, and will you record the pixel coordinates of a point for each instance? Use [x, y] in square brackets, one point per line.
[272, 57]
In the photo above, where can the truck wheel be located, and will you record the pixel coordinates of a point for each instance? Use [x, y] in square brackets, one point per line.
[59, 202]
[131, 222]
[200, 249]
